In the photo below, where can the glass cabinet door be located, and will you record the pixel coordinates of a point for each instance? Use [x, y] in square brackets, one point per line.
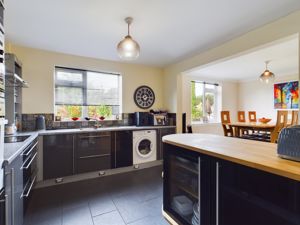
[181, 187]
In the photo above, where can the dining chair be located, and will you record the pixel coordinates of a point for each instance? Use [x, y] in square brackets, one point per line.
[225, 119]
[241, 116]
[294, 121]
[189, 128]
[282, 117]
[252, 116]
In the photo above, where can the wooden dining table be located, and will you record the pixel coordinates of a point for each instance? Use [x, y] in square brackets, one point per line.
[255, 126]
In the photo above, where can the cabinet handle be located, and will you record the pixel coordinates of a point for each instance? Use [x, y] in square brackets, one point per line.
[217, 193]
[12, 183]
[28, 153]
[6, 209]
[93, 156]
[199, 187]
[30, 162]
[29, 189]
[94, 136]
[73, 152]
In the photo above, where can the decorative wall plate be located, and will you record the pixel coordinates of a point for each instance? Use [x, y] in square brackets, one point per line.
[144, 97]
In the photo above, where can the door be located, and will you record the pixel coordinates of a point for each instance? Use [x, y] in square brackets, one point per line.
[258, 197]
[123, 148]
[93, 151]
[186, 186]
[58, 156]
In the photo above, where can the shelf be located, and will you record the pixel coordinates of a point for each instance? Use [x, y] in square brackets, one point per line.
[186, 189]
[186, 167]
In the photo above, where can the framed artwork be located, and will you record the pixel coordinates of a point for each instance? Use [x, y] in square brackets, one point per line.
[286, 95]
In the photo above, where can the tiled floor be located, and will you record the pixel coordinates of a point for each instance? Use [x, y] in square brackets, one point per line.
[133, 198]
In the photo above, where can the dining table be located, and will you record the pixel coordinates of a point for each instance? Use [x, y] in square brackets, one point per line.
[254, 126]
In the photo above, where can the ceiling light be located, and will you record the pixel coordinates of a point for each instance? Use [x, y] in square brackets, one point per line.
[128, 49]
[267, 76]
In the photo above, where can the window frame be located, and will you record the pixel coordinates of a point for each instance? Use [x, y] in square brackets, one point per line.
[83, 86]
[205, 91]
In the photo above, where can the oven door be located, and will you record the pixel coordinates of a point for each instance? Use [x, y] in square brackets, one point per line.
[3, 203]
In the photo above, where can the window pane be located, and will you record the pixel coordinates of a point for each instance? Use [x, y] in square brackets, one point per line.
[100, 110]
[210, 106]
[102, 89]
[68, 96]
[197, 101]
[69, 76]
[210, 86]
[68, 111]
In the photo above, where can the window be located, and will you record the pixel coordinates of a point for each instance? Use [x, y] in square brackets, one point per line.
[204, 102]
[81, 93]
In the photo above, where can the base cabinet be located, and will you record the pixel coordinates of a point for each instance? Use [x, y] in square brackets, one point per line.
[123, 148]
[228, 194]
[58, 156]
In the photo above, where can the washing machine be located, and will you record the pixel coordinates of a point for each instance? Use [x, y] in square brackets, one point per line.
[144, 146]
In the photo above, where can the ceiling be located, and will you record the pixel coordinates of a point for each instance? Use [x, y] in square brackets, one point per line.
[167, 31]
[283, 56]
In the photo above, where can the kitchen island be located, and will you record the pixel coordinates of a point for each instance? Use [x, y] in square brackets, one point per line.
[217, 180]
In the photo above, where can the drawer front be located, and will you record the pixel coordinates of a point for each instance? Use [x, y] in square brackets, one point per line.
[95, 163]
[93, 144]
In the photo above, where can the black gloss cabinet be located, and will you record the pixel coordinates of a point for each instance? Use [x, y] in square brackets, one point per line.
[123, 148]
[58, 155]
[230, 193]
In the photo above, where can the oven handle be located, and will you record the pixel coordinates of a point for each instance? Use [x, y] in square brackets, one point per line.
[28, 165]
[28, 152]
[29, 189]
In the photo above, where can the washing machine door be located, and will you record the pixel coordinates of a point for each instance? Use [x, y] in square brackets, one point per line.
[144, 147]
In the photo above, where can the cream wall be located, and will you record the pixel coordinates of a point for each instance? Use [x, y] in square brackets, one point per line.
[259, 97]
[38, 70]
[255, 39]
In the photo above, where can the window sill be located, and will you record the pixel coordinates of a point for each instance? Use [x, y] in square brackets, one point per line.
[206, 123]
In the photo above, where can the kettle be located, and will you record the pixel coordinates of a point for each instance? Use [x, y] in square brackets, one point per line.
[40, 123]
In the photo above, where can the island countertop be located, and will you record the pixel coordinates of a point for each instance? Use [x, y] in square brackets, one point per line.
[254, 154]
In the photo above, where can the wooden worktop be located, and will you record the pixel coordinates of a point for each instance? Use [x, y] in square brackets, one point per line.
[255, 154]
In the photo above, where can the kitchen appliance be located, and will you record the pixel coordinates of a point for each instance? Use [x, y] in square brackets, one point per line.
[143, 119]
[159, 119]
[289, 143]
[14, 139]
[3, 201]
[2, 124]
[144, 146]
[40, 123]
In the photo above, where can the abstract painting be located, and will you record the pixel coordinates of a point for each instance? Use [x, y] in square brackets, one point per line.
[286, 95]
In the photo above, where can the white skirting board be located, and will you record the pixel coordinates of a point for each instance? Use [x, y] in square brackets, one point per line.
[96, 174]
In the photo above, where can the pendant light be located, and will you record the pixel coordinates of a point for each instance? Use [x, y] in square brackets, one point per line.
[128, 49]
[267, 76]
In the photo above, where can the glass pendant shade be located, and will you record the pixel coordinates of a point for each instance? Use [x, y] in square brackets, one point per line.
[267, 76]
[128, 49]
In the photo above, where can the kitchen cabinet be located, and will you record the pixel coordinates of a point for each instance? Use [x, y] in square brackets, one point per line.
[123, 148]
[249, 196]
[93, 151]
[58, 155]
[14, 190]
[186, 179]
[230, 193]
[160, 133]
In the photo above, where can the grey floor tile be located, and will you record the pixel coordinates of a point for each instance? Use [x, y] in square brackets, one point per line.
[134, 197]
[150, 220]
[77, 216]
[100, 204]
[111, 218]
